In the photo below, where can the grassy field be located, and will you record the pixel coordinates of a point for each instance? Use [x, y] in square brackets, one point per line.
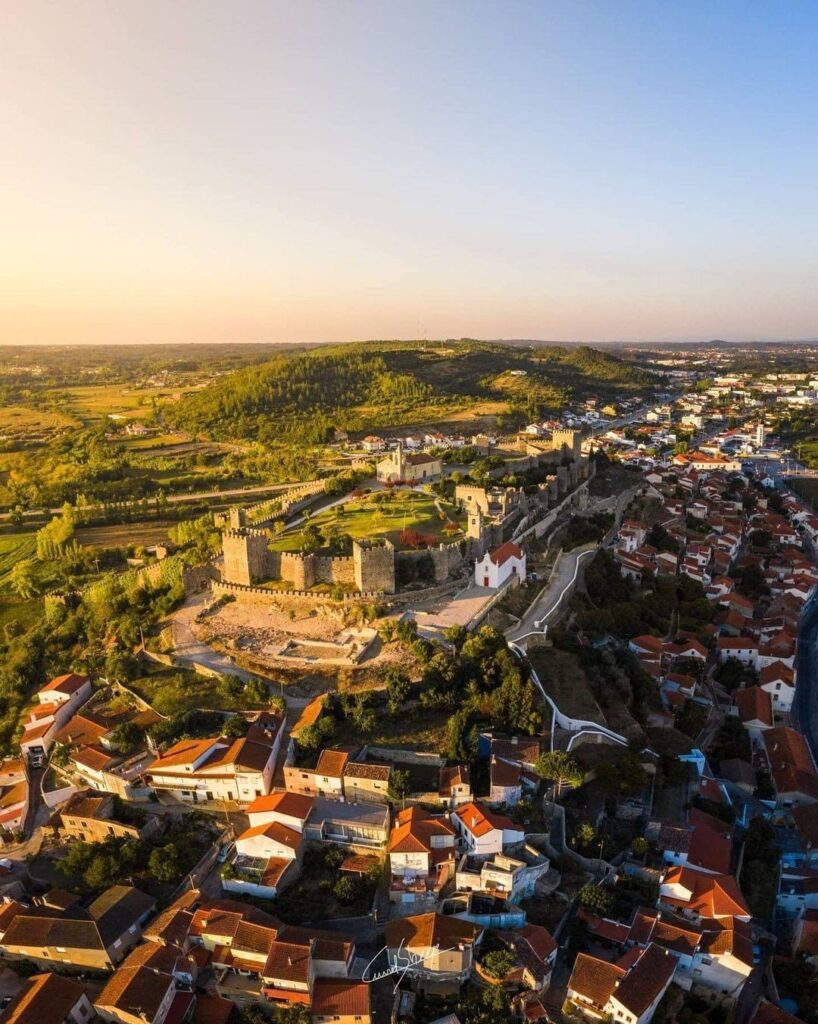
[14, 547]
[16, 419]
[90, 403]
[158, 441]
[364, 518]
[169, 690]
[418, 730]
[566, 684]
[807, 488]
[15, 609]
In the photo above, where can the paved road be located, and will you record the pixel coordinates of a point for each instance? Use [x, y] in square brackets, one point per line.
[566, 570]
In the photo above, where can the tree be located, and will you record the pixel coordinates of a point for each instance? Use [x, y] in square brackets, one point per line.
[102, 871]
[22, 580]
[596, 899]
[460, 736]
[623, 774]
[498, 962]
[126, 736]
[399, 787]
[639, 846]
[398, 688]
[292, 1015]
[586, 834]
[230, 687]
[347, 889]
[165, 863]
[560, 767]
[363, 716]
[255, 691]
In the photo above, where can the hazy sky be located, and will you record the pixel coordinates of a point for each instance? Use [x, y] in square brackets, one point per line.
[200, 171]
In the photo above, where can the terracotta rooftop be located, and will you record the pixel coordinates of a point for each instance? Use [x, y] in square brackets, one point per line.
[340, 997]
[332, 763]
[291, 805]
[508, 550]
[426, 930]
[755, 704]
[66, 684]
[45, 999]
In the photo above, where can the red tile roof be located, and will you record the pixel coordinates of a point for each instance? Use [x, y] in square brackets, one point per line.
[506, 551]
[755, 704]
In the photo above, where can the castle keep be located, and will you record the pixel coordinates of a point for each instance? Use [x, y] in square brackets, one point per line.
[248, 561]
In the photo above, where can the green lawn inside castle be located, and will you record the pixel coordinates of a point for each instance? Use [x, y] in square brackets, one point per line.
[408, 519]
[373, 543]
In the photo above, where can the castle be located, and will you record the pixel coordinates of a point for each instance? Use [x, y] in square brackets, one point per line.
[248, 561]
[493, 517]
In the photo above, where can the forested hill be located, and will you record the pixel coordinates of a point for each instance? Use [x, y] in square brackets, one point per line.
[304, 396]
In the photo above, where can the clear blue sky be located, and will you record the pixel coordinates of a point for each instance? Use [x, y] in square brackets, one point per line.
[327, 171]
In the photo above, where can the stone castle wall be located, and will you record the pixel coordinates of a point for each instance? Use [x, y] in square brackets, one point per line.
[299, 600]
[447, 559]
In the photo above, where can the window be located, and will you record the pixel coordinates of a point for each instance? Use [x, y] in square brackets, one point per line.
[117, 942]
[707, 960]
[60, 949]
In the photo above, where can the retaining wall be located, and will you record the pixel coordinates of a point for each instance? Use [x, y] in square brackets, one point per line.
[405, 756]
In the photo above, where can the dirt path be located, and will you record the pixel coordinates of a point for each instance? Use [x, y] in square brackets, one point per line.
[189, 648]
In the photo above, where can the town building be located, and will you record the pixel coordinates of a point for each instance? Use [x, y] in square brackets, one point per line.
[221, 769]
[49, 999]
[65, 932]
[440, 949]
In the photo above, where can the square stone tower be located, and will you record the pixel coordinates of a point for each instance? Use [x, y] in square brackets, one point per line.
[374, 565]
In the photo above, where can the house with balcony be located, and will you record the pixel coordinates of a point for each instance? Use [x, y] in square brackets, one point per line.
[359, 826]
[454, 785]
[221, 769]
[628, 990]
[514, 877]
[434, 949]
[421, 855]
[267, 858]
